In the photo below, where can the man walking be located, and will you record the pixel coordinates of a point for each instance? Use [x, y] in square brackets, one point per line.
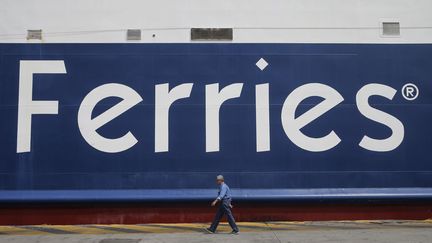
[224, 200]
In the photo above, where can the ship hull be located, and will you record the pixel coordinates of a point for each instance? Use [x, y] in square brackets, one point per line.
[61, 162]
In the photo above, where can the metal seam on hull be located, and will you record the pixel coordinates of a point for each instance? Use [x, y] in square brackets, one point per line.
[205, 194]
[79, 32]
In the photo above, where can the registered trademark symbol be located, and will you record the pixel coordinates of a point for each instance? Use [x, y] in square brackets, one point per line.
[410, 91]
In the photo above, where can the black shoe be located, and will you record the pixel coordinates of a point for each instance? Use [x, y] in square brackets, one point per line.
[209, 231]
[234, 232]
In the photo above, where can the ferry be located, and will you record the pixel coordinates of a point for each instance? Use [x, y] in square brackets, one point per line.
[127, 103]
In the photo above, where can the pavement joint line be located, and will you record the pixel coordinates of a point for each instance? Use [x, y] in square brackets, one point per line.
[46, 229]
[252, 227]
[309, 228]
[281, 227]
[119, 229]
[183, 228]
[84, 229]
[289, 224]
[140, 228]
[273, 231]
[14, 230]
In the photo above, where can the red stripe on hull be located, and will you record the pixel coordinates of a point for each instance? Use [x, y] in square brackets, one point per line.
[135, 213]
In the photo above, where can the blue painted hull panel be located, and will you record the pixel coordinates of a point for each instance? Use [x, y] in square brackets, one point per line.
[62, 163]
[127, 195]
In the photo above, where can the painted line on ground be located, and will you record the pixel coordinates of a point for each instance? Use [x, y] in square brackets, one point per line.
[199, 227]
[116, 228]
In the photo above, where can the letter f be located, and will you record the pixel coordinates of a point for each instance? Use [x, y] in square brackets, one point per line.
[26, 105]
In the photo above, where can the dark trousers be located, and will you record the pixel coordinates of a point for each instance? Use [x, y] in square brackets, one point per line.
[224, 208]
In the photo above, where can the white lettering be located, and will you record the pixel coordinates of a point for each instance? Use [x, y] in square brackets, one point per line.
[164, 98]
[26, 105]
[398, 131]
[292, 125]
[89, 125]
[214, 100]
[262, 117]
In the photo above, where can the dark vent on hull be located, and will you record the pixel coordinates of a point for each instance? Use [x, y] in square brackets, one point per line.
[133, 34]
[34, 34]
[390, 29]
[212, 34]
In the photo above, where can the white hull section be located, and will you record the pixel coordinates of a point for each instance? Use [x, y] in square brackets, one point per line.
[253, 21]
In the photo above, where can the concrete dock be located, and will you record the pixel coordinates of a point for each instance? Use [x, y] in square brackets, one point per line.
[323, 231]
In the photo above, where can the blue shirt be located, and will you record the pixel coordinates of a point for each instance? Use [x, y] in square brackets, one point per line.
[224, 192]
